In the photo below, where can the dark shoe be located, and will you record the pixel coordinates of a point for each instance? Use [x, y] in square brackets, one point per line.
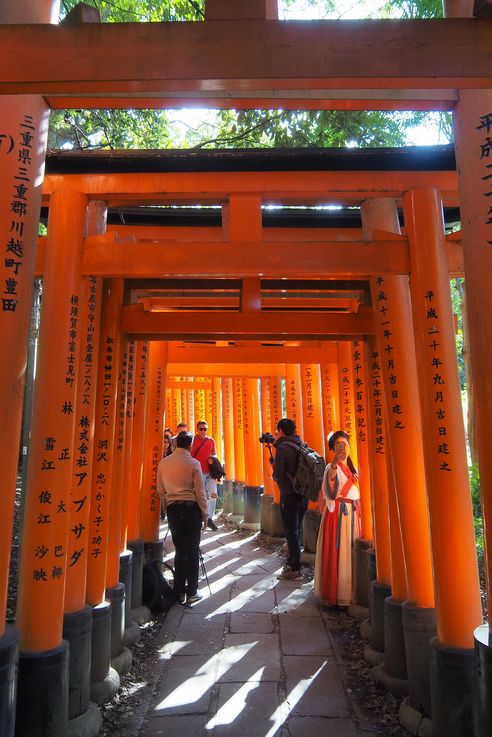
[181, 598]
[192, 599]
[211, 524]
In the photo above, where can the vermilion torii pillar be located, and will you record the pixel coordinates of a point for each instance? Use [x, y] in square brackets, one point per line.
[293, 395]
[253, 454]
[23, 136]
[42, 702]
[239, 431]
[153, 443]
[391, 298]
[346, 389]
[331, 400]
[458, 608]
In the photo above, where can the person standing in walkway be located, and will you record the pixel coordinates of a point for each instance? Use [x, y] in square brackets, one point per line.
[203, 449]
[340, 526]
[292, 505]
[182, 494]
[180, 427]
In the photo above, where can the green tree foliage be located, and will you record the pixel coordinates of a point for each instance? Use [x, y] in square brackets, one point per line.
[152, 129]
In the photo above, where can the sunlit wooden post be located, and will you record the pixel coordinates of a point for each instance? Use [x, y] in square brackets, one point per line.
[457, 587]
[23, 136]
[77, 621]
[293, 395]
[184, 403]
[190, 408]
[276, 415]
[153, 444]
[199, 397]
[253, 454]
[268, 482]
[331, 400]
[42, 703]
[169, 408]
[229, 435]
[176, 394]
[380, 588]
[217, 416]
[239, 454]
[313, 435]
[135, 540]
[365, 566]
[209, 409]
[101, 489]
[346, 389]
[393, 324]
[129, 404]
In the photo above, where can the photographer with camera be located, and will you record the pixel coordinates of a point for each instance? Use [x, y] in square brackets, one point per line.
[292, 505]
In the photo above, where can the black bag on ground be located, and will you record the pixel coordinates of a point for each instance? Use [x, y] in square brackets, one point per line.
[216, 469]
[157, 594]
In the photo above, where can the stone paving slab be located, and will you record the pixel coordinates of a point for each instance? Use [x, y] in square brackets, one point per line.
[304, 635]
[193, 639]
[313, 683]
[245, 710]
[259, 623]
[186, 685]
[186, 725]
[323, 727]
[295, 598]
[246, 654]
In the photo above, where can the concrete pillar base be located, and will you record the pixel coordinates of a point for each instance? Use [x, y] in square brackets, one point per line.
[419, 626]
[100, 642]
[227, 497]
[236, 519]
[377, 595]
[116, 595]
[365, 629]
[361, 585]
[310, 529]
[396, 686]
[104, 690]
[413, 721]
[126, 564]
[250, 526]
[358, 612]
[141, 615]
[277, 527]
[87, 724]
[237, 500]
[483, 655]
[9, 654]
[252, 506]
[42, 693]
[132, 634]
[453, 682]
[265, 514]
[308, 559]
[77, 631]
[137, 548]
[123, 661]
[153, 550]
[395, 661]
[373, 657]
[220, 496]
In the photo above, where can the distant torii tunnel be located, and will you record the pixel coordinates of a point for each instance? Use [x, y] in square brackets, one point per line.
[237, 289]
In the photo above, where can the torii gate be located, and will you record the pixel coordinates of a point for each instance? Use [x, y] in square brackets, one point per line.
[306, 66]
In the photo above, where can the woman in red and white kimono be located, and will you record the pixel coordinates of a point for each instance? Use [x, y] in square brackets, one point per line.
[340, 526]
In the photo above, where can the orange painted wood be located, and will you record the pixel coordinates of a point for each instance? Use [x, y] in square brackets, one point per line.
[266, 426]
[43, 555]
[80, 492]
[361, 433]
[330, 397]
[217, 423]
[229, 427]
[348, 420]
[239, 454]
[153, 441]
[139, 423]
[251, 55]
[20, 116]
[306, 187]
[130, 412]
[253, 462]
[181, 358]
[312, 417]
[244, 326]
[456, 582]
[293, 396]
[378, 459]
[394, 331]
[104, 440]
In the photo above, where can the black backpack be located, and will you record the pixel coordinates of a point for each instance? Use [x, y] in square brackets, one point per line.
[308, 478]
[157, 594]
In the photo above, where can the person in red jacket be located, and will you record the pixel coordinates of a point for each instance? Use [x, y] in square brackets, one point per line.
[203, 449]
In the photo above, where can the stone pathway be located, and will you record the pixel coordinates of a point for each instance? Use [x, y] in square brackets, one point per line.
[253, 658]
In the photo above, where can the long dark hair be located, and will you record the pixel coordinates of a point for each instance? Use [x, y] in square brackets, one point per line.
[331, 445]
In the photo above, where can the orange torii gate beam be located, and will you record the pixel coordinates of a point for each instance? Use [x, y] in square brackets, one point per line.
[244, 326]
[412, 60]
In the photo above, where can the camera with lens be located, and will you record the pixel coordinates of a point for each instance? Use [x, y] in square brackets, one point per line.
[267, 438]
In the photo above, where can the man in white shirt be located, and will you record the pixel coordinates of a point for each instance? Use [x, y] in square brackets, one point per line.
[182, 493]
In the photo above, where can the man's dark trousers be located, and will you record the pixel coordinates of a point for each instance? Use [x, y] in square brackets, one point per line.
[292, 510]
[185, 522]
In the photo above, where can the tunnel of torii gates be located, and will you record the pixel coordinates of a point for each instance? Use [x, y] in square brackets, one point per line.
[145, 324]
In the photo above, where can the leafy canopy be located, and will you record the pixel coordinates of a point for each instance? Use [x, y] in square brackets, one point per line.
[161, 129]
